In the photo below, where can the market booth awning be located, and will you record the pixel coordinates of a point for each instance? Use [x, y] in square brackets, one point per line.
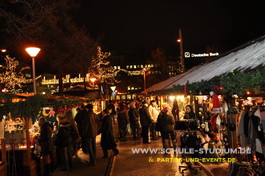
[246, 57]
[78, 90]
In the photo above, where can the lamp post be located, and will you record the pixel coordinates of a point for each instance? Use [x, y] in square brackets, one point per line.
[33, 52]
[180, 41]
[144, 70]
[93, 79]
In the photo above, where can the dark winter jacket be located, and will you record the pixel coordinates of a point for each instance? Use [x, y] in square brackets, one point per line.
[165, 122]
[107, 138]
[145, 117]
[88, 127]
[45, 139]
[65, 135]
[79, 118]
[123, 119]
[190, 115]
[133, 115]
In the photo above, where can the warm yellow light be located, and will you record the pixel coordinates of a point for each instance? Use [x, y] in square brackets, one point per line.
[180, 97]
[171, 98]
[3, 50]
[33, 51]
[93, 79]
[178, 40]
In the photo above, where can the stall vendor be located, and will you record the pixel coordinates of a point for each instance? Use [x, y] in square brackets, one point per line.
[189, 114]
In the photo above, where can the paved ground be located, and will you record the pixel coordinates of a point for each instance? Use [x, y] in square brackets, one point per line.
[80, 167]
[128, 164]
[220, 169]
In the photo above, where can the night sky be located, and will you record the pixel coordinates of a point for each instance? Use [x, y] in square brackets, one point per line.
[127, 26]
[139, 26]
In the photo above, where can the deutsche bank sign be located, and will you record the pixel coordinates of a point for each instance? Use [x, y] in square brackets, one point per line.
[188, 54]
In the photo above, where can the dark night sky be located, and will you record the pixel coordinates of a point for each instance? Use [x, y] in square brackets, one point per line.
[125, 26]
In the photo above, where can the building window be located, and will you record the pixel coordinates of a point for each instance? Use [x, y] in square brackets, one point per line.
[27, 75]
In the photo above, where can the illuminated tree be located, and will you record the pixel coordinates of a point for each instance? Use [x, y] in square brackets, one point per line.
[101, 69]
[67, 47]
[12, 78]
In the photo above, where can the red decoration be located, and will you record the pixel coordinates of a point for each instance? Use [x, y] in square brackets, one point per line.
[185, 91]
[217, 87]
[216, 104]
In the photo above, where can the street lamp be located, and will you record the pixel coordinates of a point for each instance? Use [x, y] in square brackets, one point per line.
[144, 73]
[33, 52]
[180, 41]
[93, 79]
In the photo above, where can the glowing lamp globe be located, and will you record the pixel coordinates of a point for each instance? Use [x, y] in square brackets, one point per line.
[93, 79]
[33, 51]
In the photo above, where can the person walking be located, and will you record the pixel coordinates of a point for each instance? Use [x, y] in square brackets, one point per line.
[106, 131]
[146, 121]
[123, 121]
[134, 118]
[154, 115]
[89, 133]
[166, 122]
[64, 142]
[70, 119]
[79, 118]
[46, 144]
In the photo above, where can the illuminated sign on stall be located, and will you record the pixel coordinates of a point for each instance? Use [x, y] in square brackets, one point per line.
[66, 79]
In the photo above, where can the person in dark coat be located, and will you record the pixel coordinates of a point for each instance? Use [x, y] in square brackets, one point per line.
[175, 110]
[113, 110]
[123, 121]
[70, 119]
[107, 138]
[45, 141]
[79, 119]
[64, 142]
[134, 118]
[189, 114]
[89, 133]
[146, 121]
[166, 122]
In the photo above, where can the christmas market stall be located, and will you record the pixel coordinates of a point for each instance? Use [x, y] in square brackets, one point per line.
[227, 95]
[19, 128]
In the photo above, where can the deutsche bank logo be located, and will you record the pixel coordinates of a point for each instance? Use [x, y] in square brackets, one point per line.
[187, 54]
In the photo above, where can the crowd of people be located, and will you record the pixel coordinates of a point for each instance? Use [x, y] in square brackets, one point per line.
[144, 120]
[73, 133]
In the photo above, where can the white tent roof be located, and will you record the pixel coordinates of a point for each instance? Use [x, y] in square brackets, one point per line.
[248, 56]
